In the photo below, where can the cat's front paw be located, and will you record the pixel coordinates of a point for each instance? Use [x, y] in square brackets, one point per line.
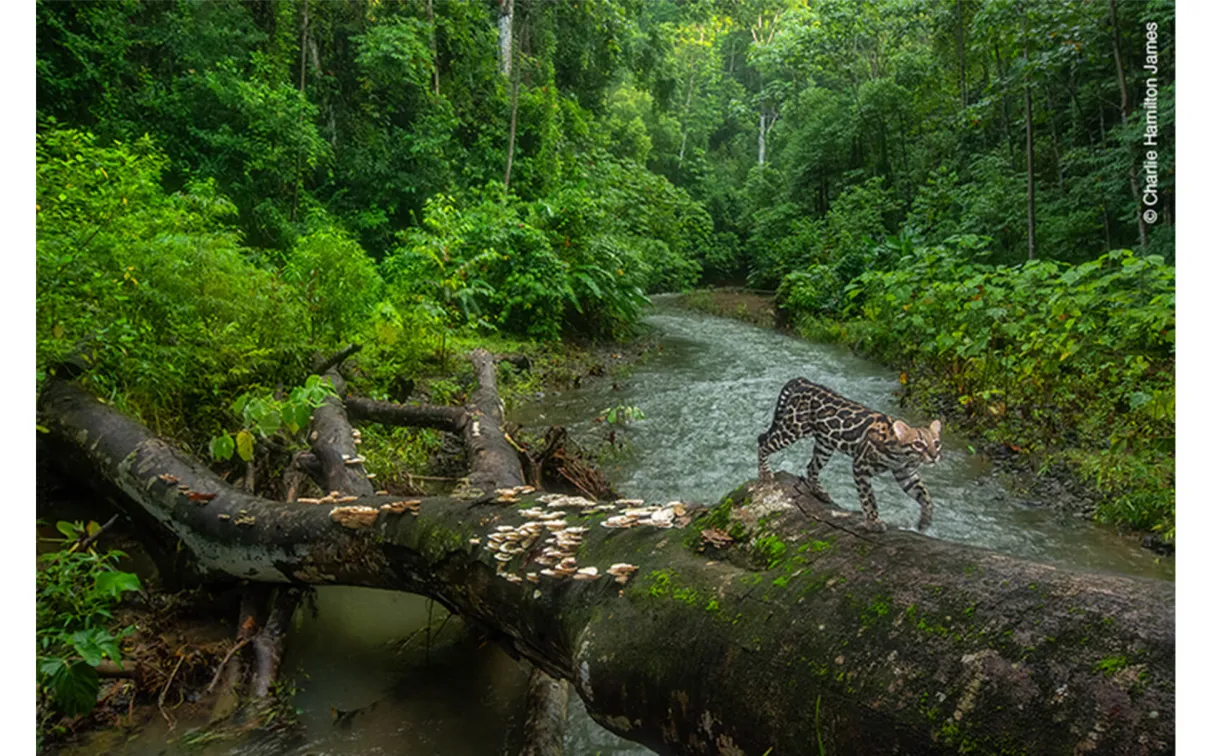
[923, 524]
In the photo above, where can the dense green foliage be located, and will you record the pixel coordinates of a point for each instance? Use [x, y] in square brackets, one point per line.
[226, 187]
[1071, 361]
[77, 592]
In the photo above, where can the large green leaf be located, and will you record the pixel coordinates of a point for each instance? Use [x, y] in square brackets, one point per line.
[75, 688]
[115, 583]
[222, 447]
[243, 444]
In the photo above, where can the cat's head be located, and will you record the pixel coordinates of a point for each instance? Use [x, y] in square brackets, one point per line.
[925, 443]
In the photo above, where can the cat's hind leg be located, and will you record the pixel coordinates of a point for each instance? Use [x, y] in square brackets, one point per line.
[773, 440]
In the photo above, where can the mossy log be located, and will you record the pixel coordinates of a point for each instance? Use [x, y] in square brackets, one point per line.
[795, 632]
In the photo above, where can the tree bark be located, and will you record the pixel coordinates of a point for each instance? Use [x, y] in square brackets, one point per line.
[334, 447]
[1031, 222]
[227, 701]
[546, 720]
[512, 131]
[493, 461]
[1124, 110]
[323, 364]
[961, 34]
[428, 8]
[505, 26]
[807, 634]
[269, 642]
[449, 419]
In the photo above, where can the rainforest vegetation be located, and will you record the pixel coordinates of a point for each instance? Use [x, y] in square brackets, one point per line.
[956, 188]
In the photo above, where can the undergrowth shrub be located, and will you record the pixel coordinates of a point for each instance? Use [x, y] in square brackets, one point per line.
[78, 590]
[153, 288]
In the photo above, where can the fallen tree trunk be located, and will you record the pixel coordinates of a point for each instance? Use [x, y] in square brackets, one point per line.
[493, 460]
[803, 635]
[334, 446]
[450, 419]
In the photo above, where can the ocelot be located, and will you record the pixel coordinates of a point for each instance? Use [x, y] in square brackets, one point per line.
[875, 441]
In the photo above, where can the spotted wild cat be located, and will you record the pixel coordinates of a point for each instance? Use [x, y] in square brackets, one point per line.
[875, 441]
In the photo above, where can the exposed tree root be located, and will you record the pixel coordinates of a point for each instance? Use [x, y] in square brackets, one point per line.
[269, 642]
[546, 715]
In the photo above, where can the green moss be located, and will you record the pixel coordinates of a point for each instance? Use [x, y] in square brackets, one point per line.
[781, 581]
[816, 546]
[435, 541]
[878, 608]
[687, 595]
[769, 550]
[951, 734]
[1112, 664]
[718, 518]
[713, 605]
[659, 583]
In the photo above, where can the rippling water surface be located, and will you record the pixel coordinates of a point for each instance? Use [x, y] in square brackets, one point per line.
[710, 393]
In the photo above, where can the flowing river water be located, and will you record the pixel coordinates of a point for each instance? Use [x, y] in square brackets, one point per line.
[706, 395]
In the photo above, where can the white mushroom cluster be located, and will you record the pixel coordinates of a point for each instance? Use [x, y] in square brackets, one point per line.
[508, 541]
[585, 506]
[333, 497]
[557, 557]
[658, 517]
[509, 495]
[621, 572]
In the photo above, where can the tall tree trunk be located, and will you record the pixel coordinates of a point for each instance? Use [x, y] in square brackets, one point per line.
[767, 121]
[1008, 124]
[760, 140]
[505, 25]
[1124, 109]
[680, 158]
[512, 129]
[1054, 138]
[962, 55]
[302, 91]
[1029, 156]
[428, 7]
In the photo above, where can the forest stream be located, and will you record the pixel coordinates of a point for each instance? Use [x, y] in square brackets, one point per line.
[706, 394]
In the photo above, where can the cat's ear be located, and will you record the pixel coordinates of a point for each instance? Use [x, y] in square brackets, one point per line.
[935, 427]
[903, 431]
